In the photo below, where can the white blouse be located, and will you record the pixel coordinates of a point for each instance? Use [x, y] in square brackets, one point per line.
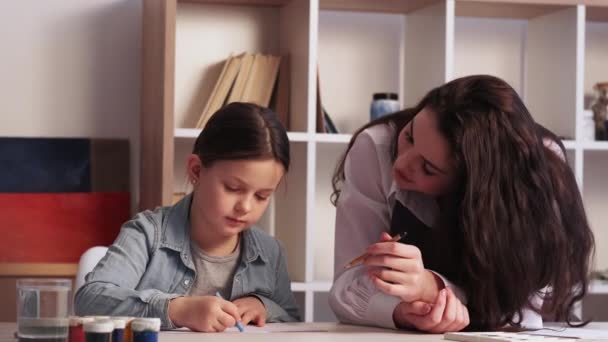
[363, 212]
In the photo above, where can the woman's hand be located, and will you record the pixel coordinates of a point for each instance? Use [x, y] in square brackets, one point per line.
[447, 314]
[397, 269]
[252, 310]
[203, 313]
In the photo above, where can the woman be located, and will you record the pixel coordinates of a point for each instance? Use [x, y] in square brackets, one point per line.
[494, 222]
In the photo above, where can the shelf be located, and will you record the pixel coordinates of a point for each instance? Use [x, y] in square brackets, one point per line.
[569, 144]
[586, 145]
[474, 8]
[38, 269]
[383, 6]
[413, 46]
[192, 133]
[298, 136]
[504, 9]
[594, 145]
[315, 286]
[333, 138]
[187, 133]
[275, 3]
[598, 287]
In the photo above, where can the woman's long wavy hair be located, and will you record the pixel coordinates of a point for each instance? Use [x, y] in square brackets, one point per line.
[517, 213]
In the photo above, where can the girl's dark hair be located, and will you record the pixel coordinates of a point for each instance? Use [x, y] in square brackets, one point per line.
[243, 131]
[517, 219]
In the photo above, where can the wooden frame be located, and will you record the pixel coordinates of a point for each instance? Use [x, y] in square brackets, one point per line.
[38, 269]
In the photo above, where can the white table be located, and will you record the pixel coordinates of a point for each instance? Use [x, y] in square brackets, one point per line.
[306, 332]
[299, 332]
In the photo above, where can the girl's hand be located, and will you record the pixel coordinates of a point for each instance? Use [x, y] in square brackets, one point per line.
[448, 314]
[252, 310]
[203, 313]
[397, 269]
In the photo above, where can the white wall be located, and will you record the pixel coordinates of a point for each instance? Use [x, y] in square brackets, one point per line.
[501, 52]
[359, 54]
[71, 68]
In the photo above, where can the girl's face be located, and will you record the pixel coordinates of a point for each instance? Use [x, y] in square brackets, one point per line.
[232, 195]
[424, 162]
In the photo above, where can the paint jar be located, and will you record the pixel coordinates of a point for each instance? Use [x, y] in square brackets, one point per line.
[145, 329]
[119, 329]
[76, 333]
[600, 111]
[98, 331]
[43, 308]
[382, 104]
[127, 335]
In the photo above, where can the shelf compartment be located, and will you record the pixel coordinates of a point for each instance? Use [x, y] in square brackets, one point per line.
[524, 51]
[596, 51]
[362, 53]
[275, 27]
[595, 188]
[328, 156]
[289, 223]
[322, 310]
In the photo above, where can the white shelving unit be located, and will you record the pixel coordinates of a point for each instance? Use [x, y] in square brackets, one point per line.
[551, 51]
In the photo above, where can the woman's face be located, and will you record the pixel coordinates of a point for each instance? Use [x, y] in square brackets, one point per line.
[424, 160]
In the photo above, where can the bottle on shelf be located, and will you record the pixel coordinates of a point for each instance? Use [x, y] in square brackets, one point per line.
[600, 111]
[382, 104]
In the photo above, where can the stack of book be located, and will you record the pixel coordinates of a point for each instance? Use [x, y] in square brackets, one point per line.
[256, 78]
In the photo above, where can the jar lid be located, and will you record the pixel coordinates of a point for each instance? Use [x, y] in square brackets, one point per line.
[119, 323]
[146, 324]
[76, 320]
[385, 96]
[99, 326]
[124, 318]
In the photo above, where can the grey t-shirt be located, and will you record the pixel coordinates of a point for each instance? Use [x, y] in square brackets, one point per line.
[213, 273]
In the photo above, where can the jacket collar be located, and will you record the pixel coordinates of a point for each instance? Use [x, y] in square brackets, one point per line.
[176, 234]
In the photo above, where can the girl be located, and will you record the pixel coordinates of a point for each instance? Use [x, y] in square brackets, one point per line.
[494, 221]
[170, 262]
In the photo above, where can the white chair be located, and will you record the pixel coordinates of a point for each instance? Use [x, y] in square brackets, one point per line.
[88, 261]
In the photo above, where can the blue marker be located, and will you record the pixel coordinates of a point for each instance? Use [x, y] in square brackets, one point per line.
[238, 324]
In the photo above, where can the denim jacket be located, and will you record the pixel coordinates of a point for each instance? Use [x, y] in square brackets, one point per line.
[150, 263]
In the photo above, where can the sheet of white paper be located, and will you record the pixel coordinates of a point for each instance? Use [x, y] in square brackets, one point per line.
[276, 328]
[572, 333]
[268, 328]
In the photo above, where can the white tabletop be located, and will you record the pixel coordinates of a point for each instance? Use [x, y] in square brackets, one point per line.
[290, 332]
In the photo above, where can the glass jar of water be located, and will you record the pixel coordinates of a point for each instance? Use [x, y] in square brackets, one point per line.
[43, 309]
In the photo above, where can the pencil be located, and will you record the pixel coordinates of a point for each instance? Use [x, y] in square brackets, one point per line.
[361, 258]
[238, 324]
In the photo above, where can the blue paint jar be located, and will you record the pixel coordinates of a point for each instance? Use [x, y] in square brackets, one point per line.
[145, 329]
[383, 103]
[119, 329]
